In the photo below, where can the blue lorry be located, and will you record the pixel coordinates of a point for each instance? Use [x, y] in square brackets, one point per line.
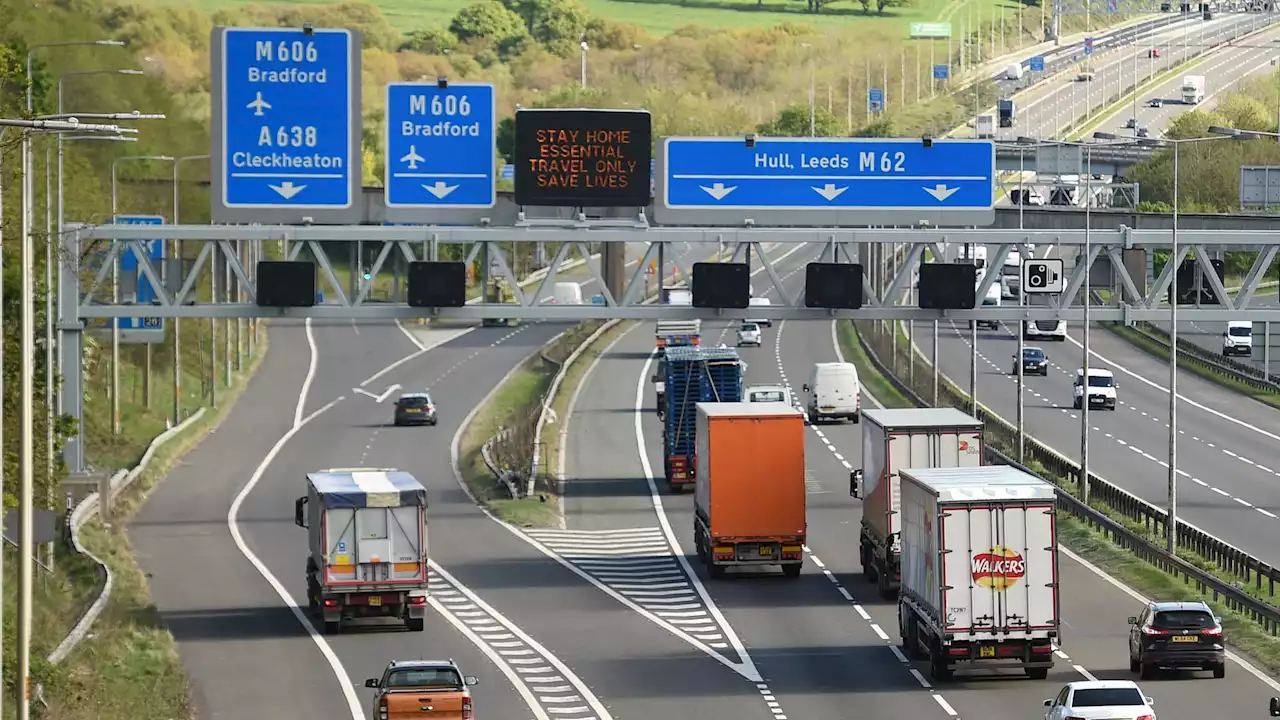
[694, 375]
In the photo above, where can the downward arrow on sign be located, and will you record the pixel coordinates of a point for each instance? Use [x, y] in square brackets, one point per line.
[440, 189]
[718, 190]
[287, 189]
[941, 192]
[830, 191]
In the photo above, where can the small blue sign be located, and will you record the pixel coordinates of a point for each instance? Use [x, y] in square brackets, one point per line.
[847, 173]
[1037, 63]
[144, 293]
[441, 144]
[1088, 46]
[875, 100]
[1112, 6]
[941, 72]
[288, 132]
[342, 547]
[509, 172]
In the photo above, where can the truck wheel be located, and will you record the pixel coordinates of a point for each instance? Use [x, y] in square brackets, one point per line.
[333, 628]
[792, 571]
[938, 667]
[1037, 673]
[868, 567]
[415, 624]
[882, 584]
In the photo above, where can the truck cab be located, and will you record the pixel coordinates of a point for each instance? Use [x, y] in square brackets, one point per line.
[428, 689]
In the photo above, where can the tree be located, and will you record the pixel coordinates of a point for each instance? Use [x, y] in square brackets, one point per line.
[1246, 113]
[793, 121]
[558, 24]
[877, 129]
[1195, 123]
[432, 41]
[490, 20]
[506, 139]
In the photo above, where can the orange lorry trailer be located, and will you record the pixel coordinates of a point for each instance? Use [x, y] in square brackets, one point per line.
[749, 503]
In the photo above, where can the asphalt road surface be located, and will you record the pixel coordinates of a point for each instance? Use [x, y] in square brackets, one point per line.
[820, 655]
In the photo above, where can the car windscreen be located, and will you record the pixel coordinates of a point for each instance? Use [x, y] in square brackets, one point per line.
[1101, 381]
[414, 402]
[1183, 620]
[1240, 331]
[768, 396]
[749, 327]
[1033, 354]
[424, 677]
[1103, 697]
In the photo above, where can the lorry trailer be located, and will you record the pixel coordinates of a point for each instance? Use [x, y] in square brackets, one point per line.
[979, 570]
[749, 503]
[894, 439]
[693, 375]
[367, 532]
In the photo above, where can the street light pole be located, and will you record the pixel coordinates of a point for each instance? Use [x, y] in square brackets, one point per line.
[1086, 387]
[1171, 519]
[177, 253]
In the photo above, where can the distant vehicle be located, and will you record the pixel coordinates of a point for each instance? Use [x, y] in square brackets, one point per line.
[1034, 362]
[1275, 707]
[759, 302]
[1154, 52]
[1102, 389]
[1014, 72]
[1237, 339]
[1120, 699]
[985, 127]
[1143, 132]
[749, 334]
[1131, 123]
[1026, 196]
[398, 693]
[1085, 76]
[1176, 635]
[834, 392]
[1007, 110]
[567, 293]
[1155, 102]
[991, 300]
[415, 409]
[1193, 89]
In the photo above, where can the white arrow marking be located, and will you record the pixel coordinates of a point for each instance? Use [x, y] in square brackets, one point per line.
[830, 191]
[377, 398]
[718, 190]
[287, 189]
[440, 190]
[941, 192]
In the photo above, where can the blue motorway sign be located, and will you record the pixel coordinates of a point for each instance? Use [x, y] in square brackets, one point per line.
[289, 136]
[875, 100]
[441, 145]
[147, 329]
[1037, 63]
[941, 72]
[1088, 46]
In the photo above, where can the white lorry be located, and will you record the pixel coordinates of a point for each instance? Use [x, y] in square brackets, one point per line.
[368, 537]
[979, 569]
[1014, 72]
[1193, 89]
[984, 127]
[894, 439]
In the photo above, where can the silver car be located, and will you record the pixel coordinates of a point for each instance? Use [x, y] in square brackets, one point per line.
[749, 334]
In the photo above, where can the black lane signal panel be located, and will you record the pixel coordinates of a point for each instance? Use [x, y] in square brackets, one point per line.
[284, 284]
[437, 284]
[721, 285]
[946, 286]
[835, 286]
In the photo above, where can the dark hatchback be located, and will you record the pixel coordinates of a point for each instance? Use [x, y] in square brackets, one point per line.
[415, 409]
[1034, 362]
[1178, 635]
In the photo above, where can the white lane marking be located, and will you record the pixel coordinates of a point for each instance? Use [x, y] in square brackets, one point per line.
[1087, 675]
[310, 376]
[946, 706]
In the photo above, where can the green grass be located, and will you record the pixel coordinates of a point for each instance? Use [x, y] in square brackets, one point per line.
[1244, 634]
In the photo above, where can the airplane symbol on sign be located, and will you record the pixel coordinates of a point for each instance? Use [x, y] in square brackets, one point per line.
[413, 158]
[258, 105]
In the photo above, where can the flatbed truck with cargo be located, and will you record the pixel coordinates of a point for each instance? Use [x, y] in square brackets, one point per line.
[693, 375]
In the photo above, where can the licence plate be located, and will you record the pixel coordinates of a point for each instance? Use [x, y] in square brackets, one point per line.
[827, 408]
[414, 410]
[766, 551]
[1184, 638]
[375, 600]
[986, 652]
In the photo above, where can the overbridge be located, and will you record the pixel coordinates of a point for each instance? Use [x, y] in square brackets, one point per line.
[1102, 160]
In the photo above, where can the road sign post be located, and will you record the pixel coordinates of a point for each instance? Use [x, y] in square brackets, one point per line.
[440, 145]
[287, 126]
[825, 181]
[1043, 276]
[133, 282]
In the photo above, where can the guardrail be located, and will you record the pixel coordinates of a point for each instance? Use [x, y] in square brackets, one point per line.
[1144, 517]
[1193, 354]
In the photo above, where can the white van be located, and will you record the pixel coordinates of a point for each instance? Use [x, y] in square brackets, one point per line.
[759, 302]
[1237, 339]
[834, 392]
[992, 300]
[567, 293]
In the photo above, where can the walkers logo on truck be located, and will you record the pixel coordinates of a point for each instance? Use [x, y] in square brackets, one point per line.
[999, 568]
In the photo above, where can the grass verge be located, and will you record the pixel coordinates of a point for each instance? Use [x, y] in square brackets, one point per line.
[1243, 634]
[1145, 344]
[128, 667]
[516, 405]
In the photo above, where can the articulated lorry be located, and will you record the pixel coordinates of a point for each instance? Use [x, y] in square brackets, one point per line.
[672, 333]
[1007, 110]
[979, 569]
[693, 375]
[894, 439]
[1193, 89]
[749, 503]
[984, 127]
[367, 529]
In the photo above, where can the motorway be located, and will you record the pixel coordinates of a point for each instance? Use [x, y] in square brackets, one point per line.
[820, 652]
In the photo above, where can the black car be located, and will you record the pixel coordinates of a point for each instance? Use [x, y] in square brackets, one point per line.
[1034, 362]
[1178, 635]
[415, 409]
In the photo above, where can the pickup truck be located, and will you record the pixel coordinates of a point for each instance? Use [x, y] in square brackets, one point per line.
[422, 689]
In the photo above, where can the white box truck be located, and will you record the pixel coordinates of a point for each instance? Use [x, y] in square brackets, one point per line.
[368, 538]
[985, 127]
[979, 570]
[1014, 72]
[1193, 89]
[894, 439]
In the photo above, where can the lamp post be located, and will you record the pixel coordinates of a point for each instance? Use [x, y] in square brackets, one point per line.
[813, 98]
[177, 253]
[26, 545]
[584, 47]
[115, 298]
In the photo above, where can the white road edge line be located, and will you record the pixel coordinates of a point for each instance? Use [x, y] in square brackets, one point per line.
[311, 374]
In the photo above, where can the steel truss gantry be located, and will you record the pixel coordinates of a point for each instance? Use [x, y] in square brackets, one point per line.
[1117, 257]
